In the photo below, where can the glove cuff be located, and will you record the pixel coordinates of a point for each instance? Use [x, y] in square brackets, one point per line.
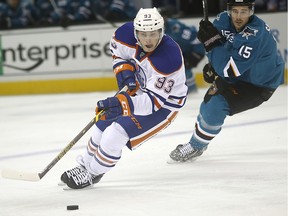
[126, 103]
[123, 67]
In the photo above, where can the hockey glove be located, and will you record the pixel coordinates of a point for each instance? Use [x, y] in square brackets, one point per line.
[192, 59]
[219, 86]
[115, 106]
[209, 74]
[209, 35]
[125, 77]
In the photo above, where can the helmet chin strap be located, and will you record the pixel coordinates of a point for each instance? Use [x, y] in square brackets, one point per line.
[139, 43]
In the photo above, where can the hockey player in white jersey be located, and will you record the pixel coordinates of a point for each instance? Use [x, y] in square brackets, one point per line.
[151, 65]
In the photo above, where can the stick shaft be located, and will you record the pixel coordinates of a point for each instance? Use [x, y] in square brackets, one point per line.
[53, 3]
[67, 148]
[205, 9]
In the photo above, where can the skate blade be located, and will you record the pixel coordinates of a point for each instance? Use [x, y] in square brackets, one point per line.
[66, 188]
[171, 161]
[61, 184]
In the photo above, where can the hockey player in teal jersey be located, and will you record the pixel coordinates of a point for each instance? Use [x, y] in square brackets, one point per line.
[244, 70]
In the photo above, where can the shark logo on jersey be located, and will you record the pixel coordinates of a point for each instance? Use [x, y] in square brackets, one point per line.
[248, 32]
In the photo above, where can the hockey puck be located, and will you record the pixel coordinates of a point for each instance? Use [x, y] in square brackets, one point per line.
[72, 207]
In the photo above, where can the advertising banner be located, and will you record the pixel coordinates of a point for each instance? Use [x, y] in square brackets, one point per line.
[78, 59]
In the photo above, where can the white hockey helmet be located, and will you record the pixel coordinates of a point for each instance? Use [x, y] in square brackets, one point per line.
[148, 19]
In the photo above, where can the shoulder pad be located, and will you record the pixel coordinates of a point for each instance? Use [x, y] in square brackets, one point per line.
[125, 34]
[167, 58]
[222, 18]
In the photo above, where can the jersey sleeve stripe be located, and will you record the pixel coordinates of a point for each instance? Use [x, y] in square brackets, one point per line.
[157, 104]
[122, 67]
[173, 102]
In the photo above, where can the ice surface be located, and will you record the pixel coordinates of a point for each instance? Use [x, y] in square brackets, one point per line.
[243, 172]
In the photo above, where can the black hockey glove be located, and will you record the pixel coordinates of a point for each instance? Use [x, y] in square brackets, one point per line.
[192, 59]
[209, 74]
[218, 87]
[209, 35]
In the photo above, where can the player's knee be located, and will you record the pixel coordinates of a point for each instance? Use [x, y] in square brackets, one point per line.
[96, 135]
[113, 144]
[215, 111]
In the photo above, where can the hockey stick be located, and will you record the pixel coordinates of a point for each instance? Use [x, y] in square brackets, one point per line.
[53, 3]
[205, 9]
[34, 176]
[102, 19]
[205, 14]
[95, 11]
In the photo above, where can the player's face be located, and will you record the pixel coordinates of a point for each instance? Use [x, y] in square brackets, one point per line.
[240, 16]
[149, 39]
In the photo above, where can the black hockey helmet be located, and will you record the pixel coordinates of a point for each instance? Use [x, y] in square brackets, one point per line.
[241, 2]
[249, 3]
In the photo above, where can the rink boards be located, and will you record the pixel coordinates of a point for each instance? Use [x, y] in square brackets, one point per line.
[78, 59]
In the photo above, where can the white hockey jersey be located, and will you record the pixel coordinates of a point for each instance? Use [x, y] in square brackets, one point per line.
[161, 73]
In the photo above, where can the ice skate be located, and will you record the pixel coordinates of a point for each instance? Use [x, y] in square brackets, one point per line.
[79, 177]
[185, 153]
